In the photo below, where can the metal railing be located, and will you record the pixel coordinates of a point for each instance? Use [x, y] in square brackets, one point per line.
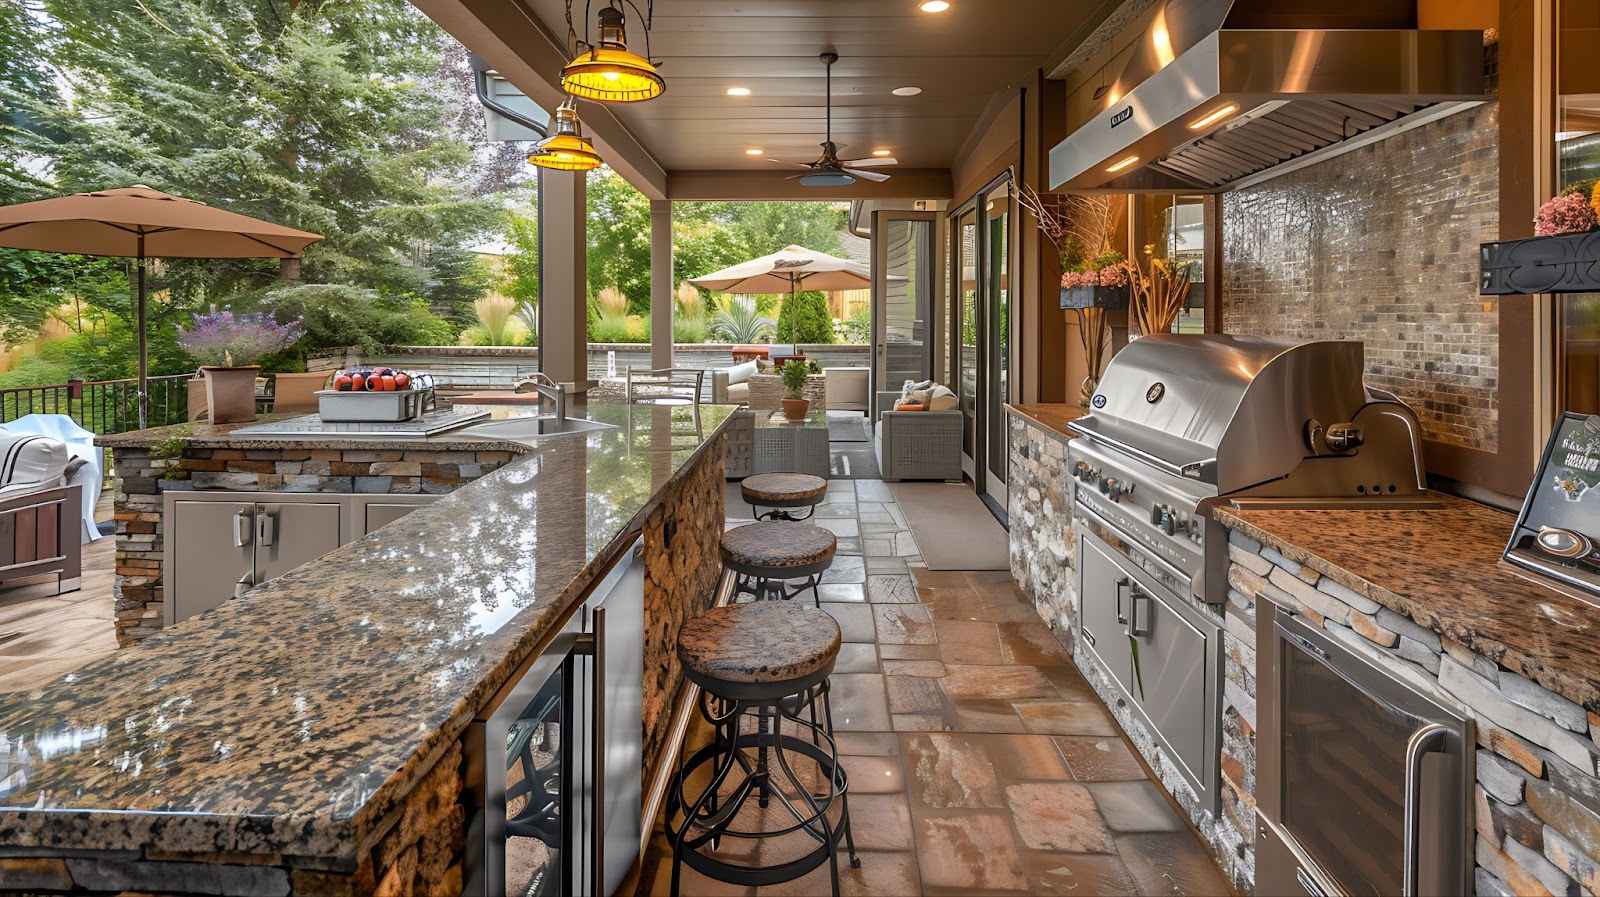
[101, 406]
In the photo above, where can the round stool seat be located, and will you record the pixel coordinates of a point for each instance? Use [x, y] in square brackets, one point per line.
[783, 490]
[778, 547]
[763, 643]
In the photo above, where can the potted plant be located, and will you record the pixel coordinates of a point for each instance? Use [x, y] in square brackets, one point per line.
[227, 347]
[795, 403]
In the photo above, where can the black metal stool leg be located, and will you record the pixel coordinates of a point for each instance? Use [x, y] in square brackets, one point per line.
[841, 783]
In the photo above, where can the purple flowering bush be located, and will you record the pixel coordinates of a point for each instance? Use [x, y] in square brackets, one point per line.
[224, 339]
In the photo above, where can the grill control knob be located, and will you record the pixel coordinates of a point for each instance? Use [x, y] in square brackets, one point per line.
[1155, 515]
[1108, 485]
[1169, 522]
[1080, 471]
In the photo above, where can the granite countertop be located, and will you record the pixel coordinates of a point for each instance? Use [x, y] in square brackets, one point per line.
[1051, 416]
[293, 720]
[1441, 567]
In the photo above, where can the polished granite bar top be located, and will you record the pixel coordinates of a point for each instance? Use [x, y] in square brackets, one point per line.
[1052, 416]
[1441, 567]
[205, 435]
[293, 720]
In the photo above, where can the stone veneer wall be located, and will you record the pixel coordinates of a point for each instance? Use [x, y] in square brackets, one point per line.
[141, 480]
[681, 574]
[1537, 798]
[1381, 245]
[1043, 546]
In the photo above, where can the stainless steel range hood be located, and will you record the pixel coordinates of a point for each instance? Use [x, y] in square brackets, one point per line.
[1209, 96]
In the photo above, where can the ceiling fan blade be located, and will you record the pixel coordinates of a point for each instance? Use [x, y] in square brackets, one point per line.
[867, 175]
[870, 162]
[789, 162]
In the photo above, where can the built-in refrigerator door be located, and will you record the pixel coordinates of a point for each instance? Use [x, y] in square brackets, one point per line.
[1371, 778]
[612, 732]
[519, 772]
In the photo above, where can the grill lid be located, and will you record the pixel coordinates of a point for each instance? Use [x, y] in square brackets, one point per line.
[1227, 410]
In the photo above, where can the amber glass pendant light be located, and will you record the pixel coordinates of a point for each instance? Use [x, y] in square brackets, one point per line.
[566, 149]
[608, 72]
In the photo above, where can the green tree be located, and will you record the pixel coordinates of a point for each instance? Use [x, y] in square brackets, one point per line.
[319, 114]
[804, 318]
[457, 279]
[618, 225]
[519, 276]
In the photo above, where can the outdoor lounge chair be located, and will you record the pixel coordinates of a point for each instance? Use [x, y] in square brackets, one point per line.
[917, 445]
[39, 513]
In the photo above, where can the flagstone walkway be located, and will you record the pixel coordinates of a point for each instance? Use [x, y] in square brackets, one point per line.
[980, 762]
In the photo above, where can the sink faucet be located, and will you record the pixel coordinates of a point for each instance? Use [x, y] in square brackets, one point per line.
[547, 387]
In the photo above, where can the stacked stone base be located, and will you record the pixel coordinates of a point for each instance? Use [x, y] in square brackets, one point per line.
[1042, 543]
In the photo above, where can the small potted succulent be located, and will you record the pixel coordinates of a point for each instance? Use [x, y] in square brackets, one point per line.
[795, 403]
[227, 347]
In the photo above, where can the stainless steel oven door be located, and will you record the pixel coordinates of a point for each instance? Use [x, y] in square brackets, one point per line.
[1364, 780]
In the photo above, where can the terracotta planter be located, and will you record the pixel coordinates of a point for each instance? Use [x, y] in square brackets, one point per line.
[231, 393]
[795, 409]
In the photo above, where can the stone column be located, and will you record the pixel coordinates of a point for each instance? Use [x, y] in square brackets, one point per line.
[564, 319]
[661, 285]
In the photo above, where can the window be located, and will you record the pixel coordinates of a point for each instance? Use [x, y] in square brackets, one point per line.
[1578, 168]
[1173, 227]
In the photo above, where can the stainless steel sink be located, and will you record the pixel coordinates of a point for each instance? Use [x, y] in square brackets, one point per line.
[528, 428]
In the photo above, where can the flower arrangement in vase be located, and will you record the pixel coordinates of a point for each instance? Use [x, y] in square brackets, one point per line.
[227, 347]
[1160, 290]
[1568, 213]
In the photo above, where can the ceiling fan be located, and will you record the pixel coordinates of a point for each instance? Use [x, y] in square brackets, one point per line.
[830, 170]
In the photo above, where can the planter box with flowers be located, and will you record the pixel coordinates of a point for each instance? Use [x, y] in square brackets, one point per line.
[1104, 288]
[1563, 258]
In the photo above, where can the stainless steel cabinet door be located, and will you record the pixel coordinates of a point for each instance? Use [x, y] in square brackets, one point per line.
[1169, 676]
[216, 563]
[1104, 596]
[380, 514]
[291, 534]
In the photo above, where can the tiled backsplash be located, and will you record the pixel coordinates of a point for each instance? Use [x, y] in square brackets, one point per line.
[1380, 245]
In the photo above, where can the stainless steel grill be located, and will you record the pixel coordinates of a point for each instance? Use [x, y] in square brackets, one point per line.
[1181, 420]
[1184, 421]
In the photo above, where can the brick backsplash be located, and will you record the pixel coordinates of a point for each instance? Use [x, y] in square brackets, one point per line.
[1380, 245]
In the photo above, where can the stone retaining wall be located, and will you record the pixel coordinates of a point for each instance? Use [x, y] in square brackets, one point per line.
[500, 367]
[142, 479]
[1537, 798]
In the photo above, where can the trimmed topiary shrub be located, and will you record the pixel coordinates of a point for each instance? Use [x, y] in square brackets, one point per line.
[804, 318]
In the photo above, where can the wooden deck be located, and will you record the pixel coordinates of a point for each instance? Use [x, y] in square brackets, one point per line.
[43, 637]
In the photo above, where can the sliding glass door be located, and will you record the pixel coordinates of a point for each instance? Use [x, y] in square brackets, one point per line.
[981, 264]
[903, 290]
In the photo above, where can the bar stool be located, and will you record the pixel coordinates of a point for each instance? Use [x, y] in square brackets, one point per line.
[763, 556]
[770, 661]
[779, 492]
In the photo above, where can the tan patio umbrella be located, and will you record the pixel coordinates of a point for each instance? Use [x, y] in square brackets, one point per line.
[789, 270]
[139, 222]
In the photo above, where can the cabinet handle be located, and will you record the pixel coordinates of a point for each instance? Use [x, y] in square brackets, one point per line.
[598, 834]
[241, 528]
[267, 528]
[1415, 748]
[1122, 583]
[1133, 615]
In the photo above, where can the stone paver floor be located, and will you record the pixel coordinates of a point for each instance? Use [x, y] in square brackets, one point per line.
[980, 762]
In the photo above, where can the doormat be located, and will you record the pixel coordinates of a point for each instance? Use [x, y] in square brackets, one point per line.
[953, 527]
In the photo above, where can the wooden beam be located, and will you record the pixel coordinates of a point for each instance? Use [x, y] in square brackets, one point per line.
[526, 53]
[909, 183]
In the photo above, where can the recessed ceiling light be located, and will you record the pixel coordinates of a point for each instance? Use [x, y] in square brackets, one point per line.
[1122, 164]
[738, 91]
[754, 151]
[935, 6]
[907, 91]
[882, 152]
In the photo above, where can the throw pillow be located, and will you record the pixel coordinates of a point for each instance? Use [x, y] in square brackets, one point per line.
[739, 373]
[940, 398]
[908, 406]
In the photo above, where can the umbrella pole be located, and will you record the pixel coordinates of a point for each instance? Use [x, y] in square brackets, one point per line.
[144, 349]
